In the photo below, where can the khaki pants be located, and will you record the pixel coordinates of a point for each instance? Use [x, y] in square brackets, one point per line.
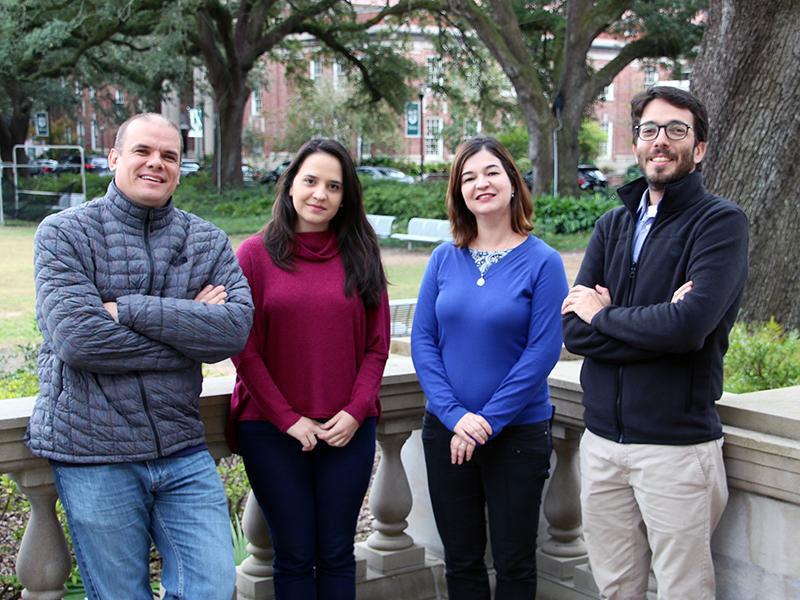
[643, 502]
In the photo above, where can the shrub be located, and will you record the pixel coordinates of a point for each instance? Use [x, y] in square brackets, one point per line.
[566, 214]
[405, 200]
[761, 357]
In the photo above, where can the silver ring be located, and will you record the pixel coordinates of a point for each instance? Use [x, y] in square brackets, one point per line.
[462, 445]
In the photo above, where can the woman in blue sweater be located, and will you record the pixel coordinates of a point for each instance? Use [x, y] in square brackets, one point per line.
[487, 332]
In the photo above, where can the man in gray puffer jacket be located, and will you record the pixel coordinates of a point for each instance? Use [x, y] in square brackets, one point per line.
[132, 295]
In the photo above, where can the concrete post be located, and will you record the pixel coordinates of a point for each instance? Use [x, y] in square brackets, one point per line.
[389, 548]
[254, 575]
[564, 549]
[43, 561]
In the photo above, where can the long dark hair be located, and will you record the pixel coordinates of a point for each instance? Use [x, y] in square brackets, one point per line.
[462, 221]
[358, 243]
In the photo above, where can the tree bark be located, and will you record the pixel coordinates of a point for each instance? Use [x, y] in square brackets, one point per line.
[14, 129]
[748, 76]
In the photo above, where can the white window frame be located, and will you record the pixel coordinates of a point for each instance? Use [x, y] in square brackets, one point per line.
[314, 69]
[95, 135]
[434, 141]
[650, 75]
[608, 93]
[256, 106]
[338, 74]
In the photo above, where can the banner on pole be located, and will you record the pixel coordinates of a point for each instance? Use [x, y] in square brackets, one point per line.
[412, 119]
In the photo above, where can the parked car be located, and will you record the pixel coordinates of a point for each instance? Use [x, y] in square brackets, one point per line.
[396, 175]
[70, 164]
[589, 178]
[189, 167]
[249, 174]
[44, 166]
[97, 165]
[373, 172]
[273, 174]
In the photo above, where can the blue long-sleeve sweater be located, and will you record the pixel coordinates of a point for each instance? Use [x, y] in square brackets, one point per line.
[489, 350]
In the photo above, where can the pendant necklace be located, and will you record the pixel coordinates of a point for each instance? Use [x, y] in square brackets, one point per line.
[481, 281]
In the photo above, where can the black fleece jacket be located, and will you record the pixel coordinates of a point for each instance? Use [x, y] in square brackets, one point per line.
[653, 369]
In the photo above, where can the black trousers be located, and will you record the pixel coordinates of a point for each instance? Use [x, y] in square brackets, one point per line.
[311, 501]
[504, 479]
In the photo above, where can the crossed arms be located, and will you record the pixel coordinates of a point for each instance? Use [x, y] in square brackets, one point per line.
[148, 332]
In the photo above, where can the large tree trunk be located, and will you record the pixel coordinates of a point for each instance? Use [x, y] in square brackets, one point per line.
[14, 128]
[231, 113]
[748, 75]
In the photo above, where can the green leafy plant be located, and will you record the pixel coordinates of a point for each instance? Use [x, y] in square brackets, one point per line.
[239, 541]
[566, 214]
[762, 356]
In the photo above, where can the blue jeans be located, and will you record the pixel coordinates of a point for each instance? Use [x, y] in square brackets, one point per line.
[115, 510]
[504, 478]
[311, 502]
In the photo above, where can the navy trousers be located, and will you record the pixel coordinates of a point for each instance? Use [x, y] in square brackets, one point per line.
[311, 501]
[504, 479]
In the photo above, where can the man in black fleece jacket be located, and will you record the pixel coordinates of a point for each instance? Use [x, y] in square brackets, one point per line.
[651, 309]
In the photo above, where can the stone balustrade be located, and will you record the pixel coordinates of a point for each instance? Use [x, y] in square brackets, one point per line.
[754, 547]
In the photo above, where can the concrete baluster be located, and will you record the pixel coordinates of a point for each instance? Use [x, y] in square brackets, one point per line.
[254, 575]
[43, 561]
[564, 548]
[389, 547]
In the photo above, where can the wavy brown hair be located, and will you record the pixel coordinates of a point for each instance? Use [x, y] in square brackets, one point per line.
[358, 243]
[462, 221]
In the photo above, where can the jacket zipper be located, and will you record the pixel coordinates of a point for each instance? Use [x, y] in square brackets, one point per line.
[145, 400]
[628, 300]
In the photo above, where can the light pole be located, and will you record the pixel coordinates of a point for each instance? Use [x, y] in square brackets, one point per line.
[421, 131]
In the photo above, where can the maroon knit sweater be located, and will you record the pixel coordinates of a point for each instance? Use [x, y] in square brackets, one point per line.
[312, 351]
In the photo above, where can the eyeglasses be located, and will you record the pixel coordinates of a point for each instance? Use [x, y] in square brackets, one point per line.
[675, 130]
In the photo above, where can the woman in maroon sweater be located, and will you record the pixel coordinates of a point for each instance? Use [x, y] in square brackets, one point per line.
[305, 402]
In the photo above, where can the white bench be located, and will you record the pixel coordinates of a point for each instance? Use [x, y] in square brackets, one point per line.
[382, 224]
[402, 316]
[432, 231]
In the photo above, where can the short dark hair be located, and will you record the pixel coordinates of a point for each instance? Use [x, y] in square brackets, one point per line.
[676, 97]
[358, 243]
[119, 140]
[462, 221]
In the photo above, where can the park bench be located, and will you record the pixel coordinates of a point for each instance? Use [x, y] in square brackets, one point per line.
[382, 224]
[402, 316]
[432, 231]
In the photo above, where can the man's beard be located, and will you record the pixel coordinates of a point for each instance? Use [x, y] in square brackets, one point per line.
[682, 165]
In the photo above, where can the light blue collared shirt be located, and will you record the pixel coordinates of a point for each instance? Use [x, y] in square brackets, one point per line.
[644, 221]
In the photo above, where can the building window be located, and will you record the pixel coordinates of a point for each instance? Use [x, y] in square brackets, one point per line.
[607, 145]
[80, 131]
[119, 97]
[434, 144]
[650, 76]
[95, 136]
[338, 75]
[255, 103]
[314, 69]
[608, 93]
[435, 71]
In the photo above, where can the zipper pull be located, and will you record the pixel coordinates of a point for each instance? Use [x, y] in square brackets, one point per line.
[632, 274]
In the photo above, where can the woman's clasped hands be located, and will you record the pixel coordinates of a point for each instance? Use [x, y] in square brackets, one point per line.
[336, 431]
[470, 431]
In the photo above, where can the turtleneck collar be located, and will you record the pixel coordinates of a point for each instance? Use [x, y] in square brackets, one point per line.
[317, 246]
[134, 215]
[677, 194]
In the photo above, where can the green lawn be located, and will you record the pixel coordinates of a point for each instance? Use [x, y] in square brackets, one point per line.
[17, 324]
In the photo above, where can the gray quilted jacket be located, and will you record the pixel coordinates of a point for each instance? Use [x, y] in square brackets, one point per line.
[128, 391]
